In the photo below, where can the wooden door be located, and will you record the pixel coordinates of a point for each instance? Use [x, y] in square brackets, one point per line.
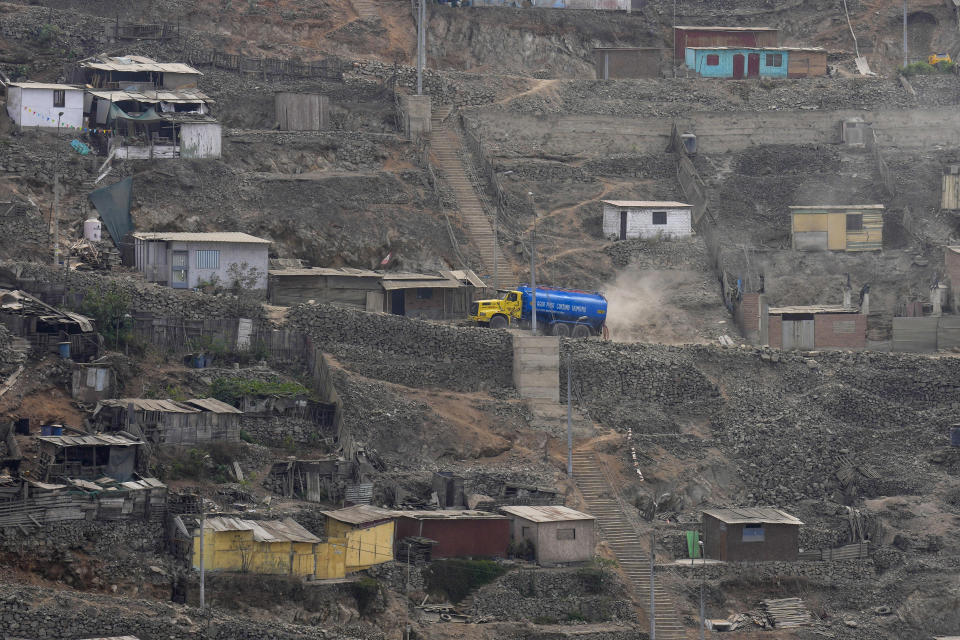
[837, 231]
[798, 334]
[738, 66]
[753, 65]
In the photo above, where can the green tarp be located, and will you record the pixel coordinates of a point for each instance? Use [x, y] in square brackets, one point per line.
[693, 543]
[150, 115]
[113, 205]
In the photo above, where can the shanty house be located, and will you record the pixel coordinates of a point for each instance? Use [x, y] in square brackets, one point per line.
[559, 535]
[950, 187]
[837, 228]
[613, 63]
[623, 219]
[186, 260]
[437, 297]
[687, 36]
[46, 327]
[45, 105]
[817, 327]
[459, 533]
[87, 457]
[767, 62]
[368, 532]
[302, 111]
[262, 546]
[171, 422]
[951, 264]
[750, 534]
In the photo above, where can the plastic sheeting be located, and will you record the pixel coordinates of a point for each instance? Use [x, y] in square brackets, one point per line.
[120, 465]
[113, 205]
[150, 115]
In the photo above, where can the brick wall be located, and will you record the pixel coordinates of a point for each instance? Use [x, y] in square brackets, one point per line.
[748, 316]
[841, 330]
[951, 263]
[775, 331]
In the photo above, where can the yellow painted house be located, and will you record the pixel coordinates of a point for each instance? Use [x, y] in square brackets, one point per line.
[368, 532]
[268, 546]
[837, 228]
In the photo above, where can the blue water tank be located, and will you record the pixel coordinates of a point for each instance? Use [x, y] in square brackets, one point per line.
[64, 350]
[955, 436]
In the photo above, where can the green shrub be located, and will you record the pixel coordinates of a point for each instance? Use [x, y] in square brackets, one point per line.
[457, 577]
[246, 437]
[926, 69]
[109, 306]
[230, 390]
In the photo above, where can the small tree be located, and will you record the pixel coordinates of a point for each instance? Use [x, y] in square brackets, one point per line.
[243, 278]
[109, 306]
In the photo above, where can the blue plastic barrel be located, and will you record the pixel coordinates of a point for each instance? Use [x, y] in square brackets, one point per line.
[46, 429]
[56, 430]
[64, 350]
[955, 436]
[198, 362]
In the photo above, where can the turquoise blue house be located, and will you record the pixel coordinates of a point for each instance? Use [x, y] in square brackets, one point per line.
[759, 62]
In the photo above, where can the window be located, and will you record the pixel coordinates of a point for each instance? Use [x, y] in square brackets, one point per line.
[524, 532]
[59, 97]
[854, 222]
[774, 59]
[512, 297]
[753, 533]
[566, 534]
[713, 60]
[659, 217]
[208, 259]
[424, 294]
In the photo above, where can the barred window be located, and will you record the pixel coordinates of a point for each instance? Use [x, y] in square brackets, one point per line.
[208, 259]
[59, 97]
[774, 59]
[566, 534]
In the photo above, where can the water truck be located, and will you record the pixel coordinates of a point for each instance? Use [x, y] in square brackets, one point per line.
[560, 312]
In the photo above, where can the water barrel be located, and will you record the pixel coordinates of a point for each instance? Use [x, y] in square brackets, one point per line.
[955, 436]
[198, 362]
[46, 429]
[56, 430]
[689, 142]
[92, 229]
[64, 348]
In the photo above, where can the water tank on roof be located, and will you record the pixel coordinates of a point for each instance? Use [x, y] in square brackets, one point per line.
[92, 229]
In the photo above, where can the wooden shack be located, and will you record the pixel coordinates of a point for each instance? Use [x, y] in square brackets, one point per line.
[302, 111]
[754, 534]
[837, 227]
[694, 36]
[613, 63]
[950, 187]
[46, 327]
[170, 422]
[87, 457]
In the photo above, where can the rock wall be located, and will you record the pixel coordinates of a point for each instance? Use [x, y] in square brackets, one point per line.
[279, 430]
[407, 351]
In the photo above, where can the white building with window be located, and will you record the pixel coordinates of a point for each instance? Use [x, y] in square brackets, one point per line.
[39, 104]
[623, 219]
[190, 260]
[559, 535]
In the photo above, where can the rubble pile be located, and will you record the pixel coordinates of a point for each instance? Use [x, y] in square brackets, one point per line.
[558, 595]
[407, 351]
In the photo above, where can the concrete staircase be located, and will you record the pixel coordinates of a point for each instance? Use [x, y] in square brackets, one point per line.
[446, 151]
[623, 539]
[366, 9]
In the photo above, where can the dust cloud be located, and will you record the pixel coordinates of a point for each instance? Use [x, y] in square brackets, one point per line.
[644, 306]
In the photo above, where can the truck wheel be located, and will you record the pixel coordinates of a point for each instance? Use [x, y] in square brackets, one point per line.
[581, 331]
[561, 329]
[498, 322]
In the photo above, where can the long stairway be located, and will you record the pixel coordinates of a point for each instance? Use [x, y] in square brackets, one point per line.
[366, 9]
[623, 539]
[446, 151]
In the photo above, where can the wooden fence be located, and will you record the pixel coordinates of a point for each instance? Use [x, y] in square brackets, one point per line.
[327, 69]
[855, 551]
[155, 31]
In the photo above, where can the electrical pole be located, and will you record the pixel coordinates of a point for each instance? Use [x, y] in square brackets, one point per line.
[421, 43]
[496, 250]
[703, 567]
[569, 421]
[653, 605]
[533, 273]
[904, 33]
[56, 198]
[203, 524]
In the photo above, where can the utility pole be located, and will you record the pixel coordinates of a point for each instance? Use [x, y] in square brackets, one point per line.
[703, 567]
[533, 272]
[203, 524]
[569, 420]
[56, 198]
[904, 33]
[421, 44]
[653, 604]
[496, 249]
[674, 38]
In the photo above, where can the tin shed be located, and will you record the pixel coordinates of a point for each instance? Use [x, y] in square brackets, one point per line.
[459, 533]
[560, 535]
[837, 228]
[750, 534]
[368, 532]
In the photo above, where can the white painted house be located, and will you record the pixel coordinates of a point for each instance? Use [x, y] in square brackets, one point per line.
[624, 219]
[185, 260]
[39, 104]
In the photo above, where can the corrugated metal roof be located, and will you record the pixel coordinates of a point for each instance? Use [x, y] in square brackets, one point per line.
[286, 530]
[136, 64]
[45, 85]
[360, 514]
[212, 405]
[646, 203]
[688, 28]
[100, 439]
[145, 404]
[736, 48]
[326, 271]
[186, 236]
[427, 283]
[837, 207]
[180, 96]
[750, 515]
[546, 513]
[469, 276]
[449, 514]
[630, 48]
[814, 308]
[954, 248]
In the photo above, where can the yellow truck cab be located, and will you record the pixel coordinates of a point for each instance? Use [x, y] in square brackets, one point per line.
[497, 313]
[934, 58]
